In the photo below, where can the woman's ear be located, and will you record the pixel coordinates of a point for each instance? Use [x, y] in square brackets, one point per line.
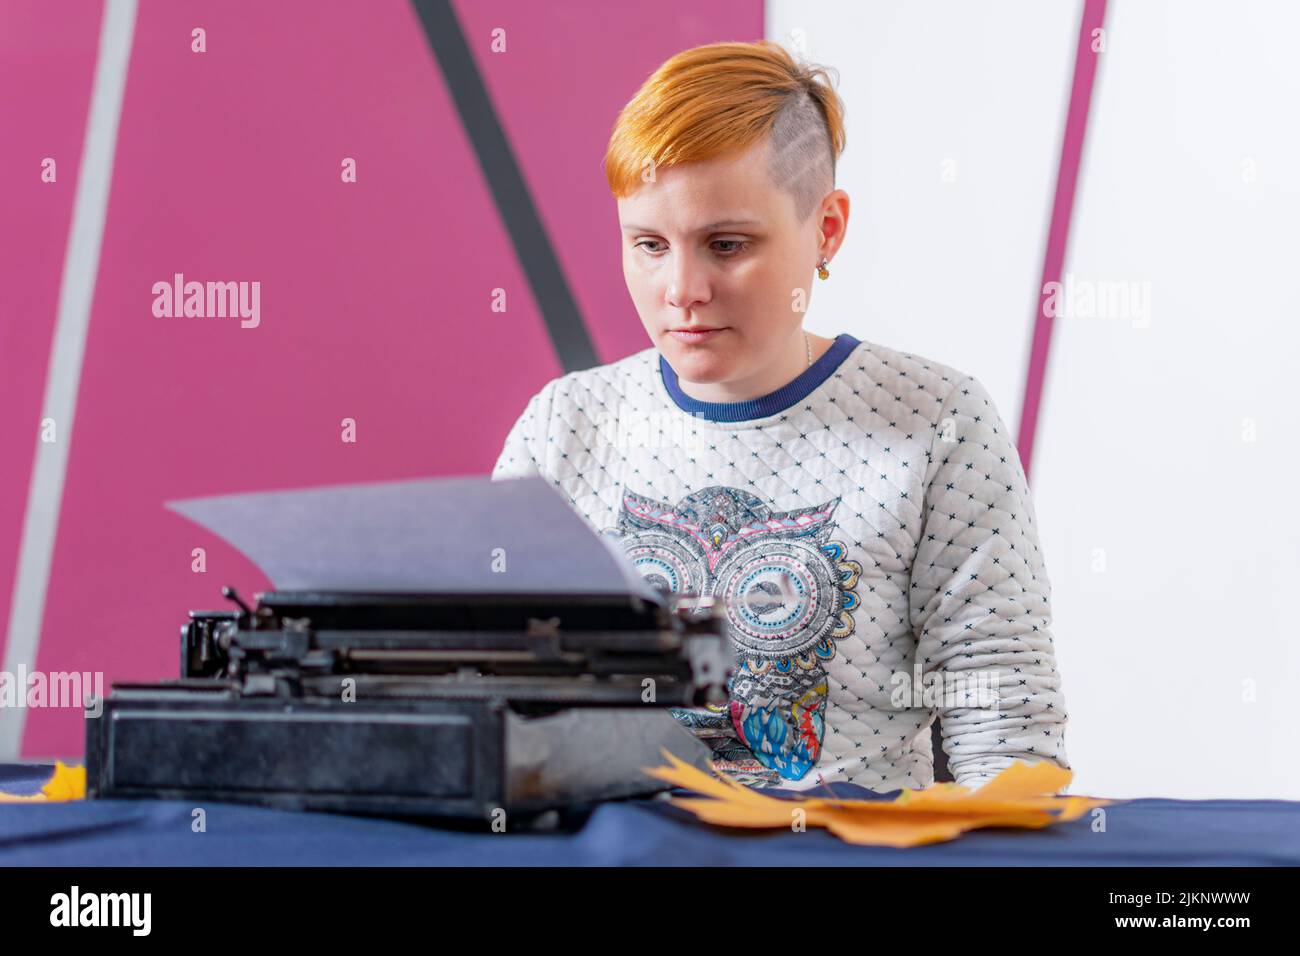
[833, 223]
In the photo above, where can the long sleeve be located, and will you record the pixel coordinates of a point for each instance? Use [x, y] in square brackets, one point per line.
[980, 599]
[524, 451]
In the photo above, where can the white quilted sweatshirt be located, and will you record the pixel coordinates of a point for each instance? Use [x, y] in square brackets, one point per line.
[870, 531]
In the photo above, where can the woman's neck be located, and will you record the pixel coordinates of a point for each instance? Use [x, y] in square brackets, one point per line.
[794, 362]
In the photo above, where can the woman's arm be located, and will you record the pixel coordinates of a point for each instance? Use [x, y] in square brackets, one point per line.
[980, 598]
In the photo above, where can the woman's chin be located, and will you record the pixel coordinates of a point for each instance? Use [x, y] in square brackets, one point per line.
[698, 364]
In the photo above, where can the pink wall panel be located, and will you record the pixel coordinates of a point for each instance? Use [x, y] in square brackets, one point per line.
[47, 65]
[375, 296]
[374, 306]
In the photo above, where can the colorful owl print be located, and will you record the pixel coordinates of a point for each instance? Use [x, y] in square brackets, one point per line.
[789, 593]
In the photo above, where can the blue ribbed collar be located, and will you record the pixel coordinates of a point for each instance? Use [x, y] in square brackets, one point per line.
[764, 405]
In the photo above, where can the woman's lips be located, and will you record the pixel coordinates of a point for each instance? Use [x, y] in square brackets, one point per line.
[696, 336]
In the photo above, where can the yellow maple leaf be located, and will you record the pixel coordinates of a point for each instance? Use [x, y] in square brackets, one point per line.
[1022, 796]
[66, 783]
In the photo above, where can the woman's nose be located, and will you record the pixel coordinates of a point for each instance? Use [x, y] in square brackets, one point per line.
[688, 283]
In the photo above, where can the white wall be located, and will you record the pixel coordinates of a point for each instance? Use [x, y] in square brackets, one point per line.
[1141, 454]
[1171, 541]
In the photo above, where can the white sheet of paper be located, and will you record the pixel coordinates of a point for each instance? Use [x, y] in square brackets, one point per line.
[422, 535]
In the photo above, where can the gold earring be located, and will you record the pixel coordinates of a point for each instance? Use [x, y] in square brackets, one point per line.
[822, 272]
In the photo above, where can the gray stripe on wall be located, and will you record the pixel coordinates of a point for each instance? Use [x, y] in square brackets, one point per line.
[514, 201]
[76, 293]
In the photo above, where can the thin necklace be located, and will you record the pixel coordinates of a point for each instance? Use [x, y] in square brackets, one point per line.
[808, 344]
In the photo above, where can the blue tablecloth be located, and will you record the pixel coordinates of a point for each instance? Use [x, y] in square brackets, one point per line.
[639, 832]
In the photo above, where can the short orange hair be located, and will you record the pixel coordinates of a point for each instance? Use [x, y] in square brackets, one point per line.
[720, 97]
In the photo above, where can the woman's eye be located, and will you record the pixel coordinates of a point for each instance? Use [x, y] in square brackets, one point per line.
[736, 246]
[643, 242]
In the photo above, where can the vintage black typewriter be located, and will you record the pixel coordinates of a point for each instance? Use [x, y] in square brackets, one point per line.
[416, 705]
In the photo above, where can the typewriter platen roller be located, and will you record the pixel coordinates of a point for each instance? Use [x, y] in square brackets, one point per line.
[423, 705]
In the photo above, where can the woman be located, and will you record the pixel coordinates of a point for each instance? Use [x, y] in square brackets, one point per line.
[861, 512]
